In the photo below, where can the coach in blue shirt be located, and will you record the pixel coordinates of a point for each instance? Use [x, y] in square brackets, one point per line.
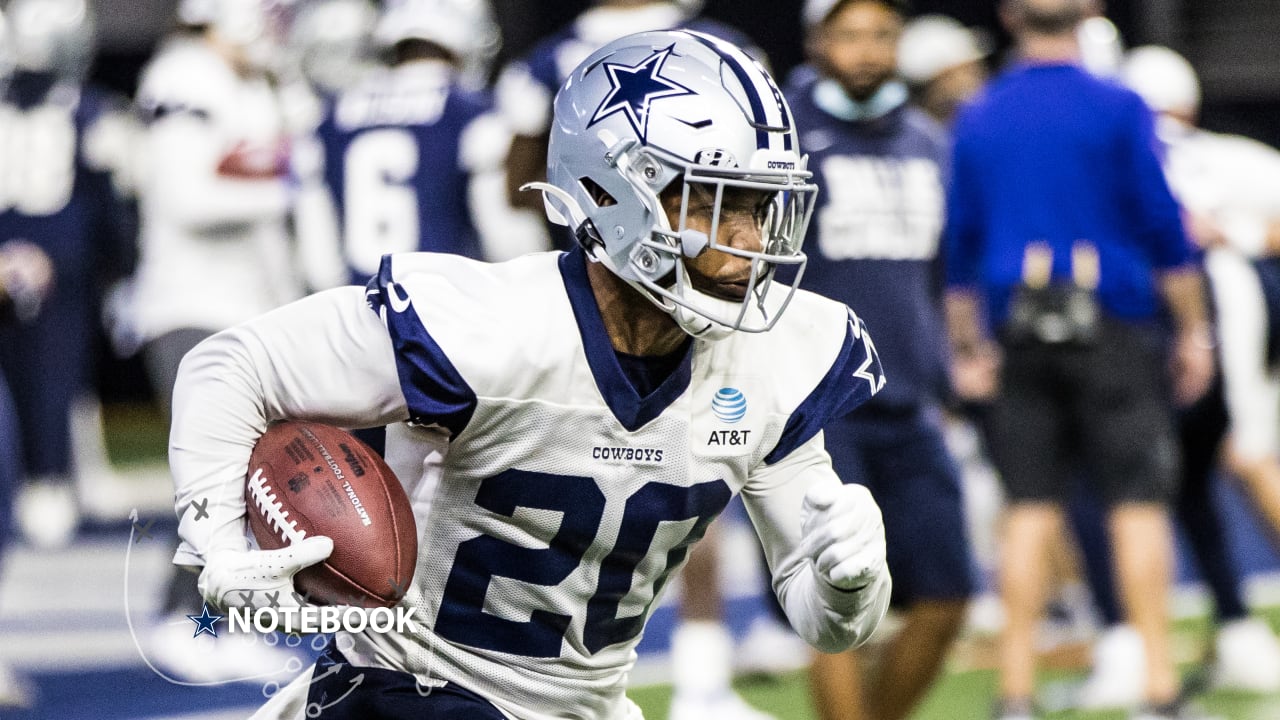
[1060, 225]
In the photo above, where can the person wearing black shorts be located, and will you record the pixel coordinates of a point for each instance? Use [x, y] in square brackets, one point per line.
[1062, 242]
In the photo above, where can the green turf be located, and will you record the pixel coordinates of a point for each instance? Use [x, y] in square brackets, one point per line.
[136, 433]
[968, 694]
[959, 696]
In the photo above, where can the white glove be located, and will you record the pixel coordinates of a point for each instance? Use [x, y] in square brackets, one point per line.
[843, 534]
[260, 578]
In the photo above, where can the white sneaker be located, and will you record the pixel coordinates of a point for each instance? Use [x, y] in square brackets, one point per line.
[47, 514]
[726, 706]
[770, 648]
[15, 691]
[1119, 674]
[227, 658]
[1248, 657]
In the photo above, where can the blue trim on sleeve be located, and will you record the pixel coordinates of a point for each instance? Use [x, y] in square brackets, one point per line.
[434, 390]
[853, 379]
[630, 409]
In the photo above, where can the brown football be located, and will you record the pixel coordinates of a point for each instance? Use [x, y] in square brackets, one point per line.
[308, 479]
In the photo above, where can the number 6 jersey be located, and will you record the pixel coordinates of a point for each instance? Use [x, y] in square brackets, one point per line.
[553, 501]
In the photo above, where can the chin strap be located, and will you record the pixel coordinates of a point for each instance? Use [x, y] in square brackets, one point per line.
[695, 323]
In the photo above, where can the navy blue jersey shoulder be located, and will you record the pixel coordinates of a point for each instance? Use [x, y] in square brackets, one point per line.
[853, 378]
[434, 391]
[873, 244]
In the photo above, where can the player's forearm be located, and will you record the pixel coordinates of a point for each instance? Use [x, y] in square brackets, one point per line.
[1182, 289]
[827, 618]
[964, 320]
[218, 414]
[239, 380]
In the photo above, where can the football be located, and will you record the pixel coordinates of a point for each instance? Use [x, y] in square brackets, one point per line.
[308, 479]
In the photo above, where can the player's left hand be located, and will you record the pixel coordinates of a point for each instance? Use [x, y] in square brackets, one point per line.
[843, 534]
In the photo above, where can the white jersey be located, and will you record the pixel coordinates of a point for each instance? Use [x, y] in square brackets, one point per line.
[212, 195]
[1232, 179]
[1235, 182]
[553, 502]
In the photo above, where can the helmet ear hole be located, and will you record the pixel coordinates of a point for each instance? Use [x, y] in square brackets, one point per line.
[598, 194]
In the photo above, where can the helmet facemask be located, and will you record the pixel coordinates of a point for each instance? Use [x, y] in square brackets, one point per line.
[778, 205]
[683, 117]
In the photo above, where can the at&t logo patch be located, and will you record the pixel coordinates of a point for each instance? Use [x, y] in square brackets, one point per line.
[729, 404]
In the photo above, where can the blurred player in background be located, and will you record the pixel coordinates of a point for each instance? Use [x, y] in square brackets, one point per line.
[882, 164]
[413, 158]
[330, 43]
[26, 275]
[56, 193]
[943, 63]
[701, 646]
[546, 556]
[214, 250]
[329, 50]
[1229, 187]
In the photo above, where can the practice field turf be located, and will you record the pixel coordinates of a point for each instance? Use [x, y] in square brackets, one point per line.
[966, 694]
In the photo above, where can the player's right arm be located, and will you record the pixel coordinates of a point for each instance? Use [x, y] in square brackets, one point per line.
[327, 358]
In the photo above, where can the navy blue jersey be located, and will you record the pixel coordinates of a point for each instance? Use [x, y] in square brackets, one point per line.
[393, 161]
[873, 241]
[53, 191]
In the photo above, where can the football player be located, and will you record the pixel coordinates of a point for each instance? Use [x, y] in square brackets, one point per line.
[56, 194]
[568, 424]
[214, 250]
[701, 646]
[874, 246]
[412, 158]
[26, 274]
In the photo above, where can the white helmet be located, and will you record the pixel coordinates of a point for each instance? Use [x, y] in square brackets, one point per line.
[463, 27]
[331, 41]
[53, 36]
[1101, 47]
[255, 26]
[656, 108]
[932, 44]
[1164, 79]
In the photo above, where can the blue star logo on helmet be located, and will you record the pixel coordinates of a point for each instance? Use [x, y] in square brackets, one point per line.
[635, 87]
[729, 404]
